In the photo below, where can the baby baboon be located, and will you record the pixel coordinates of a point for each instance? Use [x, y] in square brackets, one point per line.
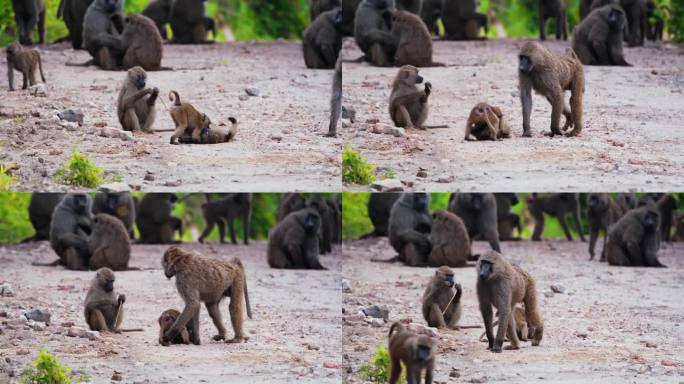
[187, 120]
[103, 307]
[336, 98]
[597, 40]
[503, 285]
[101, 36]
[634, 240]
[408, 105]
[461, 20]
[410, 224]
[557, 205]
[416, 352]
[135, 105]
[520, 324]
[322, 40]
[349, 8]
[553, 9]
[450, 241]
[379, 207]
[667, 205]
[118, 204]
[40, 214]
[28, 14]
[189, 23]
[430, 12]
[166, 321]
[26, 61]
[602, 212]
[142, 42]
[154, 221]
[316, 7]
[486, 123]
[321, 206]
[635, 10]
[73, 13]
[109, 243]
[69, 230]
[478, 212]
[293, 242]
[550, 76]
[226, 210]
[413, 40]
[213, 135]
[289, 202]
[507, 221]
[442, 300]
[372, 31]
[159, 11]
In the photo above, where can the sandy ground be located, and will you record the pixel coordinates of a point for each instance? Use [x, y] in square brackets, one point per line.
[295, 335]
[279, 146]
[632, 138]
[597, 331]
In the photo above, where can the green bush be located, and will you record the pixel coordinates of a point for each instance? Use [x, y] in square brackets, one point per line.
[377, 370]
[14, 221]
[7, 179]
[80, 171]
[355, 168]
[46, 369]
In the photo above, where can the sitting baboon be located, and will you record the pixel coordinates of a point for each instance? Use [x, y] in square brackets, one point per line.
[408, 105]
[335, 99]
[520, 325]
[69, 230]
[551, 76]
[553, 9]
[316, 7]
[321, 206]
[602, 212]
[27, 15]
[322, 40]
[635, 11]
[187, 120]
[118, 204]
[412, 40]
[202, 279]
[598, 38]
[478, 212]
[225, 211]
[135, 105]
[372, 31]
[503, 285]
[679, 226]
[557, 205]
[189, 23]
[109, 243]
[462, 21]
[73, 12]
[26, 61]
[142, 43]
[667, 205]
[101, 35]
[409, 229]
[159, 11]
[507, 221]
[416, 352]
[379, 207]
[442, 300]
[486, 123]
[155, 223]
[103, 307]
[634, 240]
[349, 8]
[40, 211]
[289, 202]
[430, 12]
[293, 242]
[450, 241]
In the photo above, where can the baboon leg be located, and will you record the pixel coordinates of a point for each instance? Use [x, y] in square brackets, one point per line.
[404, 118]
[568, 118]
[237, 295]
[246, 221]
[190, 315]
[231, 228]
[97, 321]
[396, 370]
[41, 28]
[215, 314]
[542, 28]
[131, 120]
[280, 259]
[194, 326]
[74, 260]
[222, 230]
[119, 319]
[576, 105]
[512, 333]
[105, 59]
[557, 104]
[40, 67]
[593, 236]
[603, 250]
[538, 226]
[487, 313]
[576, 222]
[416, 375]
[504, 318]
[312, 260]
[32, 74]
[436, 316]
[207, 230]
[564, 225]
[26, 78]
[532, 315]
[185, 336]
[378, 57]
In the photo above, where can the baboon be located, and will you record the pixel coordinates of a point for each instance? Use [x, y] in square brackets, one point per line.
[409, 229]
[322, 40]
[478, 212]
[650, 198]
[316, 7]
[503, 285]
[335, 206]
[667, 204]
[142, 43]
[550, 76]
[26, 61]
[159, 11]
[40, 211]
[201, 279]
[486, 123]
[520, 325]
[103, 307]
[379, 207]
[450, 241]
[293, 242]
[408, 105]
[135, 105]
[372, 31]
[321, 206]
[28, 14]
[679, 226]
[634, 240]
[226, 210]
[213, 135]
[553, 9]
[413, 6]
[69, 230]
[655, 24]
[430, 12]
[101, 36]
[73, 12]
[442, 306]
[416, 352]
[109, 243]
[187, 119]
[349, 8]
[462, 21]
[602, 212]
[626, 201]
[155, 223]
[586, 6]
[507, 221]
[635, 11]
[117, 204]
[189, 23]
[289, 202]
[166, 321]
[336, 98]
[598, 38]
[557, 205]
[412, 39]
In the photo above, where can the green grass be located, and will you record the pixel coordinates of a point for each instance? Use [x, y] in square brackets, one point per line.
[14, 220]
[355, 168]
[46, 369]
[80, 171]
[7, 179]
[377, 370]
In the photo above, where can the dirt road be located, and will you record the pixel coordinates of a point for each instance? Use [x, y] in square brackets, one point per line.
[612, 325]
[632, 139]
[279, 146]
[295, 335]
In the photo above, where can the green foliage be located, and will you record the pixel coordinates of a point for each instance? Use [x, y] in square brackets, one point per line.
[355, 168]
[377, 370]
[675, 24]
[355, 215]
[80, 171]
[7, 179]
[14, 221]
[47, 369]
[268, 19]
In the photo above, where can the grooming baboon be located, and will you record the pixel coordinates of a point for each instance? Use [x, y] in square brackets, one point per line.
[166, 321]
[635, 11]
[289, 202]
[416, 352]
[109, 243]
[316, 7]
[413, 6]
[73, 12]
[225, 211]
[412, 39]
[667, 204]
[598, 38]
[602, 212]
[557, 205]
[154, 221]
[430, 12]
[349, 8]
[634, 240]
[550, 76]
[408, 105]
[101, 36]
[679, 226]
[503, 285]
[442, 300]
[117, 204]
[372, 31]
[40, 211]
[142, 42]
[27, 15]
[213, 135]
[322, 40]
[103, 307]
[69, 230]
[293, 242]
[336, 98]
[26, 61]
[507, 221]
[553, 9]
[187, 120]
[189, 23]
[450, 241]
[321, 206]
[478, 212]
[379, 207]
[486, 123]
[462, 21]
[159, 11]
[520, 325]
[409, 229]
[200, 279]
[135, 105]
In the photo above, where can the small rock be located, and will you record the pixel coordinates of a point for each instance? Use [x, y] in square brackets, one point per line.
[114, 187]
[446, 179]
[346, 286]
[376, 323]
[349, 113]
[669, 363]
[582, 335]
[329, 364]
[388, 185]
[422, 174]
[251, 91]
[76, 332]
[38, 90]
[275, 137]
[548, 294]
[243, 97]
[557, 288]
[454, 373]
[23, 352]
[387, 130]
[37, 327]
[173, 183]
[93, 335]
[34, 113]
[478, 380]
[6, 290]
[114, 133]
[71, 127]
[149, 177]
[377, 311]
[117, 376]
[74, 116]
[651, 345]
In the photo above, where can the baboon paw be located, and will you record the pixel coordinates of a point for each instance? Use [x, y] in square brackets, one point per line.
[236, 340]
[527, 134]
[511, 347]
[495, 349]
[535, 343]
[219, 337]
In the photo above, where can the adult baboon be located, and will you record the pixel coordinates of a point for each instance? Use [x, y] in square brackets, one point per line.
[109, 243]
[349, 8]
[667, 205]
[503, 285]
[26, 61]
[189, 23]
[462, 21]
[478, 212]
[159, 11]
[327, 225]
[335, 98]
[430, 12]
[416, 352]
[626, 201]
[335, 206]
[379, 207]
[679, 226]
[550, 76]
[69, 230]
[553, 9]
[412, 40]
[155, 223]
[289, 202]
[28, 14]
[202, 279]
[409, 228]
[408, 105]
[40, 211]
[316, 7]
[450, 241]
[486, 123]
[293, 242]
[372, 31]
[322, 40]
[507, 221]
[602, 212]
[557, 205]
[142, 43]
[634, 240]
[103, 307]
[598, 38]
[101, 37]
[635, 11]
[117, 204]
[225, 211]
[442, 300]
[166, 321]
[73, 12]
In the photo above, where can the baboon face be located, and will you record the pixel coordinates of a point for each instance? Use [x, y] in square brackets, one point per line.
[311, 223]
[446, 276]
[166, 320]
[168, 263]
[80, 205]
[409, 75]
[138, 77]
[597, 202]
[12, 50]
[525, 64]
[110, 6]
[651, 220]
[420, 201]
[616, 20]
[422, 352]
[479, 112]
[490, 266]
[486, 270]
[472, 200]
[105, 277]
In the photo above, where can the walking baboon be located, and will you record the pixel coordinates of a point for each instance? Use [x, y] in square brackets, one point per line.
[602, 212]
[349, 8]
[166, 321]
[442, 300]
[101, 36]
[109, 243]
[450, 241]
[507, 221]
[462, 21]
[69, 230]
[293, 242]
[409, 229]
[478, 212]
[155, 223]
[40, 211]
[598, 38]
[73, 12]
[26, 61]
[634, 240]
[430, 12]
[416, 352]
[201, 279]
[322, 40]
[336, 98]
[550, 76]
[557, 205]
[372, 31]
[187, 120]
[553, 9]
[321, 206]
[225, 211]
[486, 123]
[142, 43]
[27, 15]
[635, 11]
[159, 11]
[316, 7]
[412, 39]
[117, 204]
[503, 285]
[667, 204]
[408, 105]
[379, 207]
[520, 325]
[103, 307]
[189, 23]
[289, 202]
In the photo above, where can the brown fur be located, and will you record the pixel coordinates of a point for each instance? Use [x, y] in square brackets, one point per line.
[462, 21]
[634, 240]
[520, 324]
[189, 23]
[213, 135]
[414, 43]
[438, 295]
[558, 205]
[450, 241]
[408, 105]
[322, 40]
[553, 9]
[507, 221]
[187, 120]
[289, 202]
[597, 40]
[416, 352]
[25, 61]
[294, 241]
[486, 123]
[144, 46]
[602, 212]
[225, 211]
[103, 308]
[166, 320]
[109, 243]
[135, 105]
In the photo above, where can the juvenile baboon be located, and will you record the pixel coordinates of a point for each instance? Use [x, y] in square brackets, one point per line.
[73, 12]
[409, 229]
[349, 8]
[413, 6]
[159, 11]
[101, 36]
[201, 279]
[155, 223]
[430, 12]
[442, 306]
[189, 23]
[293, 242]
[321, 206]
[322, 40]
[225, 211]
[336, 98]
[598, 38]
[103, 307]
[117, 204]
[486, 123]
[412, 39]
[450, 241]
[379, 207]
[40, 211]
[507, 221]
[553, 9]
[408, 105]
[602, 212]
[166, 321]
[135, 105]
[678, 218]
[372, 31]
[187, 119]
[109, 243]
[667, 204]
[478, 212]
[28, 14]
[557, 205]
[316, 7]
[461, 20]
[289, 202]
[213, 135]
[416, 352]
[503, 285]
[26, 61]
[550, 76]
[69, 230]
[142, 43]
[635, 11]
[634, 240]
[520, 325]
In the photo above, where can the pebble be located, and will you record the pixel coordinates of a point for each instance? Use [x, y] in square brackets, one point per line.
[38, 90]
[668, 363]
[377, 311]
[388, 185]
[74, 116]
[387, 130]
[114, 133]
[482, 379]
[93, 335]
[251, 91]
[346, 286]
[446, 179]
[6, 290]
[76, 332]
[422, 174]
[557, 288]
[41, 315]
[275, 137]
[548, 294]
[173, 183]
[117, 376]
[243, 97]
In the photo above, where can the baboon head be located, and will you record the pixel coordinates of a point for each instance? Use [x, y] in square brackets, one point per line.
[311, 222]
[490, 266]
[12, 50]
[420, 202]
[651, 219]
[408, 74]
[110, 6]
[531, 55]
[444, 275]
[481, 112]
[423, 348]
[167, 318]
[616, 19]
[472, 200]
[597, 202]
[105, 279]
[137, 76]
[79, 203]
[174, 261]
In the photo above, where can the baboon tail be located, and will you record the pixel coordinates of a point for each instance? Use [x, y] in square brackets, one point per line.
[52, 264]
[436, 126]
[398, 326]
[238, 262]
[390, 260]
[85, 64]
[40, 67]
[176, 102]
[232, 131]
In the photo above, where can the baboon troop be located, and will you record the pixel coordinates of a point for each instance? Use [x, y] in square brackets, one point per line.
[486, 123]
[598, 38]
[29, 14]
[408, 105]
[636, 13]
[322, 40]
[225, 211]
[553, 9]
[557, 205]
[289, 202]
[27, 61]
[73, 12]
[415, 352]
[102, 33]
[442, 300]
[602, 212]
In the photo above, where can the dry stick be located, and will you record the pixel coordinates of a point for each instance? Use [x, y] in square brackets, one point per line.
[447, 307]
[116, 320]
